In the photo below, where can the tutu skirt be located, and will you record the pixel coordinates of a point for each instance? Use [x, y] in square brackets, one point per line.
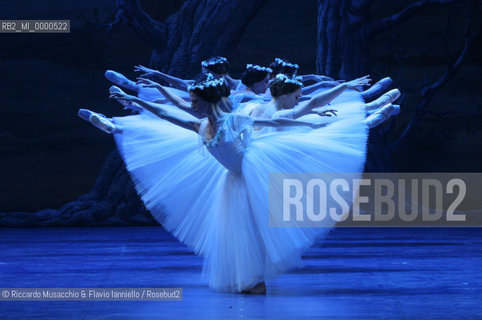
[223, 216]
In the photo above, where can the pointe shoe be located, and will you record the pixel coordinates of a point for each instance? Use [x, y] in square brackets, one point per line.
[98, 120]
[102, 123]
[383, 100]
[127, 105]
[259, 288]
[121, 80]
[393, 94]
[389, 110]
[85, 114]
[377, 88]
[394, 110]
[382, 115]
[114, 89]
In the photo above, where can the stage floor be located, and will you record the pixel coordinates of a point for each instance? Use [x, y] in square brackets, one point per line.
[354, 274]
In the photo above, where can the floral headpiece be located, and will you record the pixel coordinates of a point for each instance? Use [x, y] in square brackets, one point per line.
[286, 63]
[286, 79]
[214, 61]
[259, 68]
[209, 82]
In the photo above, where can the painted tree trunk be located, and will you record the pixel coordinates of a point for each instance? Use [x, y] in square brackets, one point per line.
[343, 39]
[202, 28]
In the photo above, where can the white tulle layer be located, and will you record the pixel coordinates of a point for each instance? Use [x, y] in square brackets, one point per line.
[223, 216]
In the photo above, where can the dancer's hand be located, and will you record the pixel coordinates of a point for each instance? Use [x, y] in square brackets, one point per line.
[122, 96]
[147, 71]
[147, 83]
[359, 83]
[325, 113]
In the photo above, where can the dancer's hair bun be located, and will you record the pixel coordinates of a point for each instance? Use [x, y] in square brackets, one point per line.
[254, 73]
[284, 84]
[283, 66]
[217, 65]
[210, 89]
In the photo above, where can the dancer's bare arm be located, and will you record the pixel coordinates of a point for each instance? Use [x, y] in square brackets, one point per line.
[318, 85]
[175, 99]
[160, 111]
[315, 77]
[177, 83]
[281, 122]
[327, 96]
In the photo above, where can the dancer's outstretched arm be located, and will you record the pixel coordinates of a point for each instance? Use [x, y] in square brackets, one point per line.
[177, 83]
[323, 98]
[318, 85]
[160, 111]
[315, 77]
[176, 100]
[282, 122]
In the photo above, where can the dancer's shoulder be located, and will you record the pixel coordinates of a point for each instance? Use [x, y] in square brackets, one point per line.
[284, 113]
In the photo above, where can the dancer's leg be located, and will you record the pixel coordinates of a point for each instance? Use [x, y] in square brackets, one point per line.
[377, 89]
[383, 100]
[121, 80]
[382, 115]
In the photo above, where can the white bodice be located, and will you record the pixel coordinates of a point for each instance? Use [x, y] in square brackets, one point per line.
[229, 144]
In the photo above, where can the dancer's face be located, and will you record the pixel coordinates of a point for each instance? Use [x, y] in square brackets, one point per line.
[290, 100]
[199, 105]
[260, 86]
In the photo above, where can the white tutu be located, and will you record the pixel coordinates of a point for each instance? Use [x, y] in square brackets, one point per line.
[224, 216]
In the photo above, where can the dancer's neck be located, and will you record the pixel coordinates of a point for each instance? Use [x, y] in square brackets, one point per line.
[277, 104]
[230, 81]
[218, 112]
[225, 105]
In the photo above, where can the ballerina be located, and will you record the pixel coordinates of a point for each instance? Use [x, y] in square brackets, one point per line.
[283, 66]
[217, 202]
[321, 82]
[256, 79]
[286, 92]
[175, 100]
[217, 66]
